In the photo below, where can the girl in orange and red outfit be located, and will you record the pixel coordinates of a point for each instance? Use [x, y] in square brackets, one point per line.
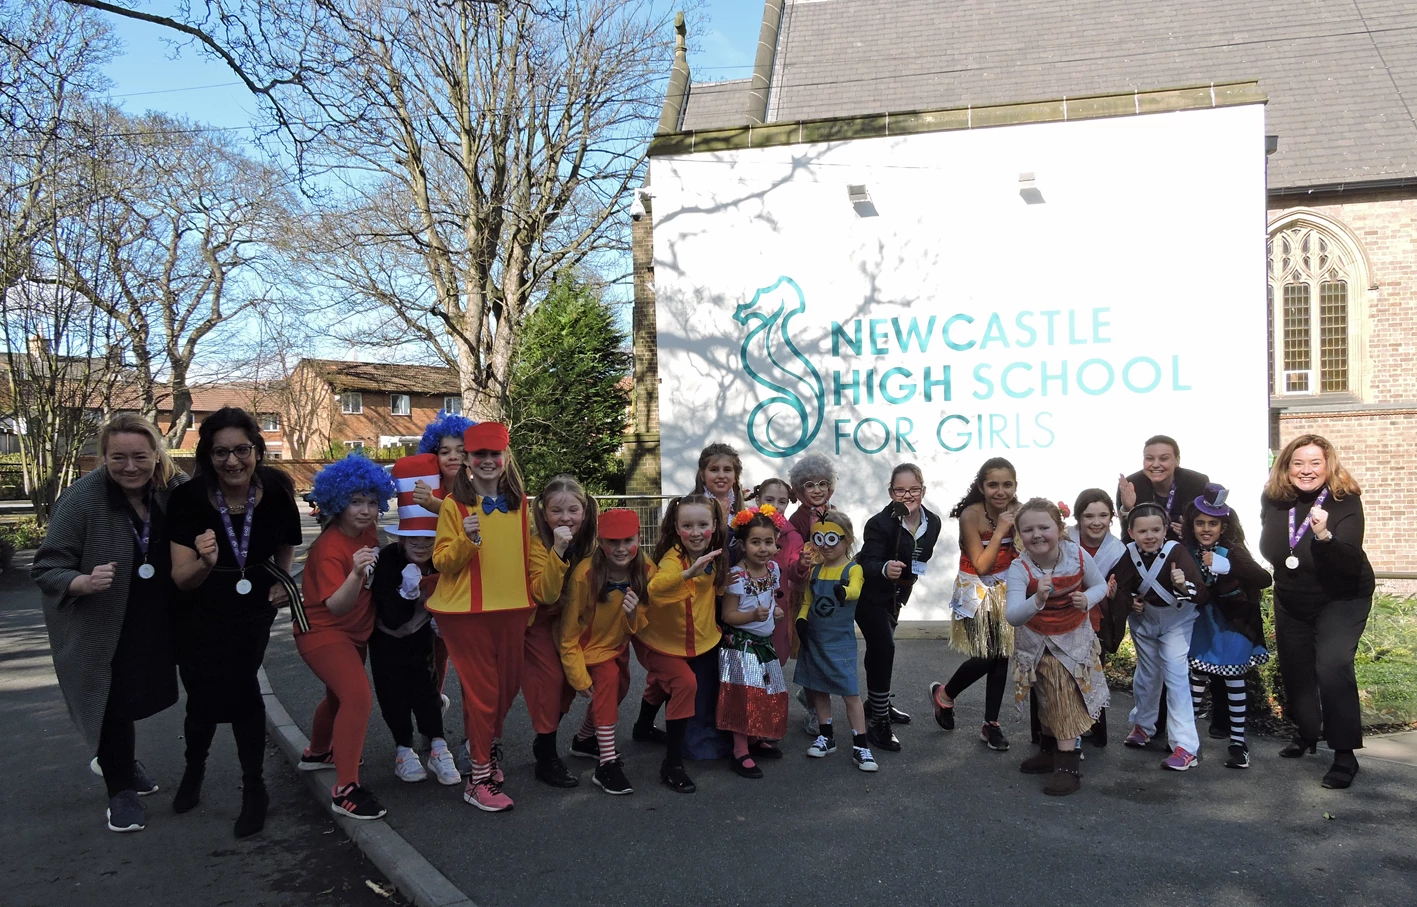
[692, 557]
[609, 591]
[565, 534]
[340, 617]
[483, 596]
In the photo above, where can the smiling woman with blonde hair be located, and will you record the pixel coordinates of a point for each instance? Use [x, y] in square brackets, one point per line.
[1311, 532]
[103, 569]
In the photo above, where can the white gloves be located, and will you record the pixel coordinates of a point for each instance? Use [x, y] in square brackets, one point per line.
[412, 580]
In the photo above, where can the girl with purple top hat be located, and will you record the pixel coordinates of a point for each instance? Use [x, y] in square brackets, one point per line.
[1228, 637]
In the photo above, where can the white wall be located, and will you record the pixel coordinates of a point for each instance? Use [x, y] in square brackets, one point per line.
[1148, 247]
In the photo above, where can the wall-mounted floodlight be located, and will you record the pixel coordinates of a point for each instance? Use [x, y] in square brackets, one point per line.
[860, 199]
[1028, 189]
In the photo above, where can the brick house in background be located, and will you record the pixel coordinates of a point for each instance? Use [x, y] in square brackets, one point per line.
[348, 405]
[264, 401]
[1342, 219]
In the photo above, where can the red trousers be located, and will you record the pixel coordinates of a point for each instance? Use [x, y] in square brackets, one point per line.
[669, 678]
[342, 717]
[610, 682]
[487, 651]
[548, 696]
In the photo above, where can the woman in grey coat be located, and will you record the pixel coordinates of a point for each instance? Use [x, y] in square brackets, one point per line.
[105, 573]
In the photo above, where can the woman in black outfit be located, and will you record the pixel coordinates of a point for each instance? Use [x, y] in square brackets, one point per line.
[1311, 522]
[227, 602]
[895, 546]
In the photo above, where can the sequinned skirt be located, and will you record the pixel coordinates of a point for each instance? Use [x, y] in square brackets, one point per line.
[987, 634]
[752, 692]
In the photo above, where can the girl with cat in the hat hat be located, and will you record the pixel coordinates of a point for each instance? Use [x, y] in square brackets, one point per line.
[401, 647]
[1228, 637]
[484, 596]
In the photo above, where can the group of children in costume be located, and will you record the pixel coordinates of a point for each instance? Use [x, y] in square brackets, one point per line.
[546, 597]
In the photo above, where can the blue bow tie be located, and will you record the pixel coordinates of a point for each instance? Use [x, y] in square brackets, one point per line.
[616, 587]
[495, 502]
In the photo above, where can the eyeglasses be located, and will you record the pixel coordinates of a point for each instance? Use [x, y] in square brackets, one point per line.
[816, 486]
[912, 492]
[242, 452]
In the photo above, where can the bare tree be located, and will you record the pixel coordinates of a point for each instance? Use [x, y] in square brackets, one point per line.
[194, 244]
[478, 148]
[62, 356]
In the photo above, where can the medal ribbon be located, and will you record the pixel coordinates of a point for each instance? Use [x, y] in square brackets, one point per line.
[145, 536]
[239, 550]
[1294, 536]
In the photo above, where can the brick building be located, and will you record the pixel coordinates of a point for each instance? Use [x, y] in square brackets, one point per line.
[260, 400]
[1342, 180]
[347, 405]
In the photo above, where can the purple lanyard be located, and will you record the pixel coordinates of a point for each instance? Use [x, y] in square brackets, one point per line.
[146, 535]
[1170, 499]
[1294, 537]
[239, 550]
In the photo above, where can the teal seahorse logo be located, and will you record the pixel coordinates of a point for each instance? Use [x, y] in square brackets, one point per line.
[786, 422]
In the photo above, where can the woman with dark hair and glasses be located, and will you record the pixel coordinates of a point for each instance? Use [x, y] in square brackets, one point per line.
[233, 533]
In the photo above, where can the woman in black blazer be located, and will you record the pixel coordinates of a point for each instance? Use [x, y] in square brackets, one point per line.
[896, 545]
[1311, 532]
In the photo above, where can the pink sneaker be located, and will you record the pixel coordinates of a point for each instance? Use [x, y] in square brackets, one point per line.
[497, 774]
[487, 796]
[1180, 760]
[1137, 738]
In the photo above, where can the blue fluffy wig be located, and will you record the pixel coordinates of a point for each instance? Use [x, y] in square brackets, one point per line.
[355, 474]
[444, 425]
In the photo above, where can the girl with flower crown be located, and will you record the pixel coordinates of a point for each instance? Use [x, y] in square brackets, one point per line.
[752, 693]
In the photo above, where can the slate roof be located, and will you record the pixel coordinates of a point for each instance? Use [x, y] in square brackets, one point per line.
[1342, 83]
[386, 378]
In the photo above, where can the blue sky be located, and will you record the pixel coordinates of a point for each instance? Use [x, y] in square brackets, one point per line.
[152, 76]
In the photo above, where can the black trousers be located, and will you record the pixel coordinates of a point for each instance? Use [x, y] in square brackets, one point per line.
[405, 683]
[1316, 651]
[996, 669]
[116, 743]
[877, 625]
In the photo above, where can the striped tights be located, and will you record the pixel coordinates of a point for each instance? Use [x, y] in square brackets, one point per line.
[1237, 694]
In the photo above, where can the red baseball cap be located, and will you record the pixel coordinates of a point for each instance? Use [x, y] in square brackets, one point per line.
[486, 436]
[618, 523]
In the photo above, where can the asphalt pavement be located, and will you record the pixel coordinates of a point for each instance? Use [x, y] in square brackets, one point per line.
[58, 851]
[945, 821]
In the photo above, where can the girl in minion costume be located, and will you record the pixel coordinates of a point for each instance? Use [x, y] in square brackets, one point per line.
[483, 597]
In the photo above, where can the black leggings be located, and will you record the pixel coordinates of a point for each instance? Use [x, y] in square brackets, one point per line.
[996, 669]
[116, 744]
[878, 630]
[250, 734]
[405, 684]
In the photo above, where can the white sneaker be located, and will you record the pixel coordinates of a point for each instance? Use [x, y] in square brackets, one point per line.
[407, 766]
[821, 747]
[864, 760]
[440, 762]
[446, 702]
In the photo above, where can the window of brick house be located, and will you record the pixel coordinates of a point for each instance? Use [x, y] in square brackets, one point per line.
[1312, 277]
[452, 406]
[354, 445]
[400, 404]
[351, 402]
[270, 422]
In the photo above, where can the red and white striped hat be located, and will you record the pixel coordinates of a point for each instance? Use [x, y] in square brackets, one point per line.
[413, 519]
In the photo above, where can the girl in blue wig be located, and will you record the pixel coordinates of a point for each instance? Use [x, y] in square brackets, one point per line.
[442, 437]
[339, 618]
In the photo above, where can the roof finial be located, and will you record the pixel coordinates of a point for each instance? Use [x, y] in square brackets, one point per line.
[677, 92]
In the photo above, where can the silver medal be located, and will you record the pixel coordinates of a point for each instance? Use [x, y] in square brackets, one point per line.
[1291, 562]
[243, 586]
[147, 571]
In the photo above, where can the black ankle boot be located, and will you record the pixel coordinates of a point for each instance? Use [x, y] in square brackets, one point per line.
[189, 792]
[254, 801]
[1099, 730]
[549, 767]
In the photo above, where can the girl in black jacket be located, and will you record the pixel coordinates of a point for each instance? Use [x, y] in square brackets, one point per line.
[896, 545]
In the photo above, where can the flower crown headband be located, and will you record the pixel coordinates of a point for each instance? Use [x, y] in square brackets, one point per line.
[742, 517]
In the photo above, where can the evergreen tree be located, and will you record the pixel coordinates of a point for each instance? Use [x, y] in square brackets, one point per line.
[567, 410]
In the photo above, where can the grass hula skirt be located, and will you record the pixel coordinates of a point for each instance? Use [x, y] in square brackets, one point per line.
[987, 634]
